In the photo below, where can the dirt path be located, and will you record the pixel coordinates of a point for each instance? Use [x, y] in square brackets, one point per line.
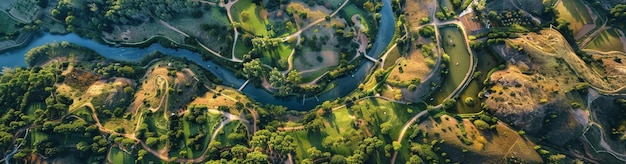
[404, 129]
[297, 33]
[173, 28]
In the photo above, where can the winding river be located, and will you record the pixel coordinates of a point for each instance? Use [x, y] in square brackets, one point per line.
[345, 85]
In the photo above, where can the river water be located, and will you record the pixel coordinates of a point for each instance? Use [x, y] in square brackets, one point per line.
[345, 85]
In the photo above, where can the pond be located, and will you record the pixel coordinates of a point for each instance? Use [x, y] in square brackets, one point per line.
[486, 61]
[453, 44]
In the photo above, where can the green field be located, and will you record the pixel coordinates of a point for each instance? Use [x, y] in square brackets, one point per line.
[278, 55]
[7, 25]
[251, 21]
[190, 130]
[222, 136]
[575, 12]
[607, 40]
[37, 136]
[303, 140]
[34, 106]
[341, 124]
[118, 156]
[350, 10]
[217, 14]
[241, 49]
[310, 76]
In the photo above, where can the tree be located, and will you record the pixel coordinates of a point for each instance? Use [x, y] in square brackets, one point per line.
[83, 146]
[415, 160]
[427, 31]
[256, 157]
[277, 79]
[385, 127]
[469, 101]
[338, 159]
[369, 6]
[480, 124]
[140, 154]
[448, 103]
[617, 15]
[239, 151]
[151, 141]
[253, 69]
[396, 145]
[314, 153]
[556, 158]
[294, 77]
[369, 145]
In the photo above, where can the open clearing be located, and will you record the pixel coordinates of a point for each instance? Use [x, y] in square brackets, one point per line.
[316, 60]
[7, 25]
[417, 9]
[118, 156]
[576, 13]
[247, 14]
[488, 146]
[607, 40]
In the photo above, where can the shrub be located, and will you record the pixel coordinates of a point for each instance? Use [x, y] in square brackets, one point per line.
[480, 124]
[469, 101]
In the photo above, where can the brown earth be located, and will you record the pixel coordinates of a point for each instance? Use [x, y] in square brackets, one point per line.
[488, 146]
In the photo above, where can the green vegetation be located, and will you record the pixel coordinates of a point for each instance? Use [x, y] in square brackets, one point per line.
[246, 14]
[8, 26]
[575, 12]
[77, 105]
[617, 14]
[607, 40]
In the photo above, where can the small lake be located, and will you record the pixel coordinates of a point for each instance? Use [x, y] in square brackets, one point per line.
[453, 44]
[486, 61]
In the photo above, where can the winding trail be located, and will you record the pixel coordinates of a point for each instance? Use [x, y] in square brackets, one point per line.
[592, 96]
[463, 84]
[297, 33]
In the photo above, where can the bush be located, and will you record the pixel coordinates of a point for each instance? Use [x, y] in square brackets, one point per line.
[480, 124]
[412, 87]
[469, 101]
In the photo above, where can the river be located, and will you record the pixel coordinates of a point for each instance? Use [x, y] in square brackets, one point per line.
[345, 85]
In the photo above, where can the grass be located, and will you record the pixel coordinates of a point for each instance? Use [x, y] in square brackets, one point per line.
[608, 40]
[37, 136]
[156, 125]
[446, 4]
[340, 124]
[7, 24]
[217, 14]
[118, 156]
[310, 76]
[278, 55]
[34, 106]
[190, 129]
[304, 141]
[392, 57]
[575, 12]
[222, 136]
[350, 10]
[84, 113]
[241, 49]
[385, 111]
[254, 23]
